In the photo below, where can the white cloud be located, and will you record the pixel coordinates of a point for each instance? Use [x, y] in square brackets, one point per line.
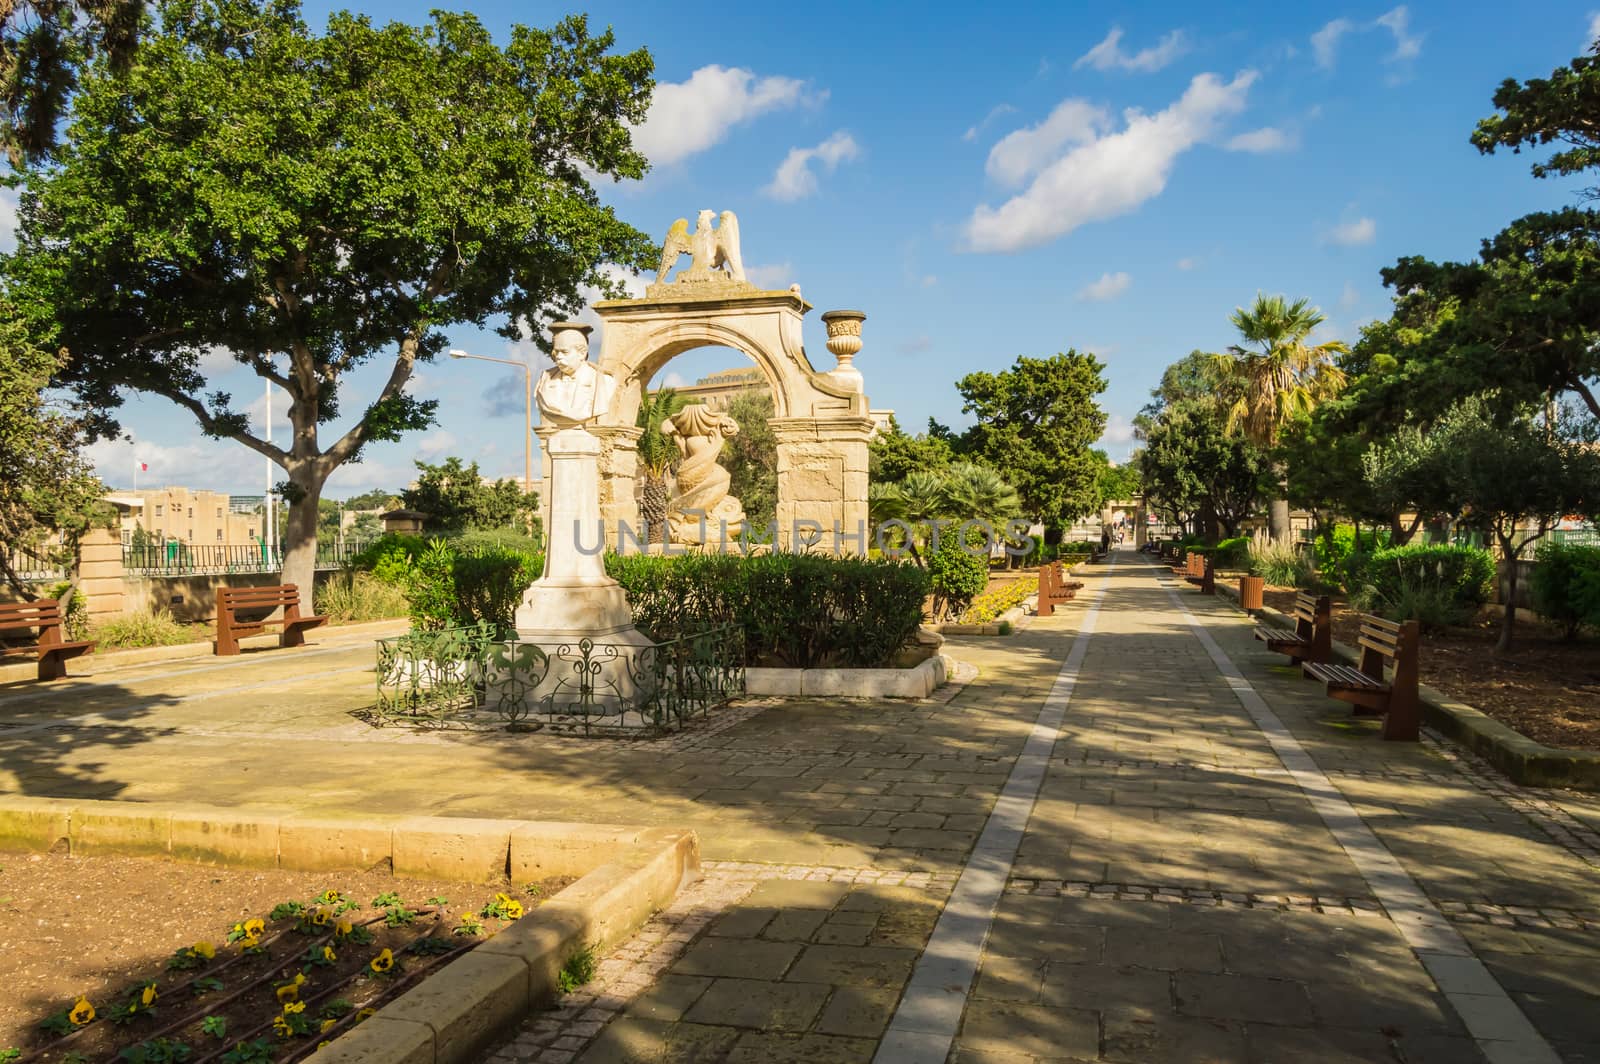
[1119, 430]
[257, 412]
[1108, 287]
[1022, 154]
[1325, 42]
[674, 379]
[773, 277]
[997, 111]
[435, 444]
[1111, 174]
[1265, 139]
[1188, 263]
[1349, 234]
[1349, 297]
[1398, 22]
[795, 180]
[1594, 30]
[928, 281]
[1108, 54]
[690, 116]
[915, 345]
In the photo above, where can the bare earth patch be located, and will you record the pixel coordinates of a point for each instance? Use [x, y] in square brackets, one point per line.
[95, 925]
[1547, 688]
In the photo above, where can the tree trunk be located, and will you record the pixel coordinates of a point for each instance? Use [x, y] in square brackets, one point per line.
[1278, 511]
[1508, 620]
[300, 538]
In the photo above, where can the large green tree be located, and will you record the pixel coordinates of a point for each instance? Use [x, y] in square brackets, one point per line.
[49, 495]
[751, 458]
[893, 453]
[312, 204]
[1036, 425]
[456, 499]
[1193, 470]
[1278, 375]
[43, 46]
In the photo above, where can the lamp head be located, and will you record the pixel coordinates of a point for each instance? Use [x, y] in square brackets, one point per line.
[456, 352]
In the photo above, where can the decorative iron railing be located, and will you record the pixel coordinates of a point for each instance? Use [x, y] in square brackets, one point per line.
[185, 559]
[465, 677]
[32, 568]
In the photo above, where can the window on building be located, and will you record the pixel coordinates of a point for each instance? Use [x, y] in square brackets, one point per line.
[219, 535]
[219, 513]
[191, 513]
[158, 509]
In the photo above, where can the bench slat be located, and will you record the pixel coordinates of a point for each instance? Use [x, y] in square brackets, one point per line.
[1280, 635]
[1343, 676]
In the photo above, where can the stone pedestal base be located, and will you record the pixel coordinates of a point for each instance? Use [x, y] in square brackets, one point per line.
[605, 678]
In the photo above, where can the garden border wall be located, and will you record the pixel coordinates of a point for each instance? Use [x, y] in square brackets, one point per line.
[917, 682]
[455, 1015]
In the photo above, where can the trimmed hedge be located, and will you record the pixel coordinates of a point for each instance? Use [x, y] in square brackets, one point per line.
[1386, 581]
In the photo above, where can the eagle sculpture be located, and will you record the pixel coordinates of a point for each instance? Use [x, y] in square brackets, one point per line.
[711, 251]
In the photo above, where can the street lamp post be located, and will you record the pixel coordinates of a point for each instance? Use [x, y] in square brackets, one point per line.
[527, 410]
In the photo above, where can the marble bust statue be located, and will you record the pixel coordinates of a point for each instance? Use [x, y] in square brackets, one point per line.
[572, 393]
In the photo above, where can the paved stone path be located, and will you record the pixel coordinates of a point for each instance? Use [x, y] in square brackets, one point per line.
[1172, 849]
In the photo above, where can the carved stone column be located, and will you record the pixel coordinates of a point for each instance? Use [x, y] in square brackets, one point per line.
[619, 469]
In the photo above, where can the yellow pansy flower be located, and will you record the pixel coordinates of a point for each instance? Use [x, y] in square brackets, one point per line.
[366, 1014]
[82, 1013]
[204, 949]
[383, 962]
[328, 954]
[288, 992]
[327, 1025]
[342, 928]
[149, 995]
[320, 918]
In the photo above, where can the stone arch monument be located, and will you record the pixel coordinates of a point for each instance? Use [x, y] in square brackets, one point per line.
[820, 419]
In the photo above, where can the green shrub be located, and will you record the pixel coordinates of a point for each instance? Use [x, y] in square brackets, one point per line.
[1329, 558]
[958, 576]
[145, 629]
[1393, 582]
[75, 619]
[489, 582]
[504, 539]
[1565, 586]
[351, 596]
[796, 610]
[1231, 553]
[431, 588]
[389, 558]
[1279, 563]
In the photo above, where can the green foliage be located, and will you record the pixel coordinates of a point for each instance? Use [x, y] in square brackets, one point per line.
[1565, 586]
[1036, 424]
[1417, 577]
[1330, 551]
[1191, 467]
[1231, 553]
[48, 486]
[1275, 376]
[431, 588]
[334, 200]
[144, 629]
[656, 452]
[389, 559]
[796, 610]
[489, 584]
[75, 608]
[958, 576]
[578, 970]
[351, 596]
[894, 454]
[255, 1051]
[751, 457]
[157, 1051]
[456, 499]
[1564, 107]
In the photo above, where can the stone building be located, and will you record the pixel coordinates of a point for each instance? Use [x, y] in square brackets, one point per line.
[197, 518]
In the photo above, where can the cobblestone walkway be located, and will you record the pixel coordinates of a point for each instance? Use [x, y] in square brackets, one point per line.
[1215, 867]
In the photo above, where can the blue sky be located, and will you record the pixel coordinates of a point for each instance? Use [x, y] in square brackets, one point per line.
[988, 185]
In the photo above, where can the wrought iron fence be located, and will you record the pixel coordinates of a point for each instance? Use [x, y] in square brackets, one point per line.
[465, 677]
[185, 559]
[32, 568]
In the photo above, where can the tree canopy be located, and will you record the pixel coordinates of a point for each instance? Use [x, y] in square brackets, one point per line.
[43, 45]
[310, 204]
[456, 499]
[1036, 423]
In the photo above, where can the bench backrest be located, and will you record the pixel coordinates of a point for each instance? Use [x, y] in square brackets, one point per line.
[1309, 611]
[230, 599]
[1382, 640]
[41, 613]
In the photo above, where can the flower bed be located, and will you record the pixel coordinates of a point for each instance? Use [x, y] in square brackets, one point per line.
[997, 598]
[272, 987]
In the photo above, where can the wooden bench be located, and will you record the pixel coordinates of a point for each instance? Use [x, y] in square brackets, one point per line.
[1197, 570]
[231, 601]
[47, 616]
[1312, 637]
[1365, 688]
[1054, 587]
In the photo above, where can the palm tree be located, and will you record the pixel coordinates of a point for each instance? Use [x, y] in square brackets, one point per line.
[977, 493]
[656, 453]
[1278, 377]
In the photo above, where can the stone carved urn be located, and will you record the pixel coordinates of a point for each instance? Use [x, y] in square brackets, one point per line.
[844, 340]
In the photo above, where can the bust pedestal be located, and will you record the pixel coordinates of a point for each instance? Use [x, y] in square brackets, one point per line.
[574, 600]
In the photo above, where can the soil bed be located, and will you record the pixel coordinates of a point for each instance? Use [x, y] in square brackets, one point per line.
[100, 926]
[1547, 688]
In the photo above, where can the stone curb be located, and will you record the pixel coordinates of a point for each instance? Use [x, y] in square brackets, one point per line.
[918, 682]
[1525, 761]
[457, 1014]
[106, 661]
